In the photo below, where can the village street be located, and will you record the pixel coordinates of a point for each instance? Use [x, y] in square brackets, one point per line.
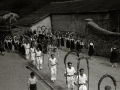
[74, 24]
[14, 74]
[99, 66]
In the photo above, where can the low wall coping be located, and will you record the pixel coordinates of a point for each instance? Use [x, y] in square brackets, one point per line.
[90, 23]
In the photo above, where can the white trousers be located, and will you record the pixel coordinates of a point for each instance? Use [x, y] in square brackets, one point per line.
[39, 62]
[83, 87]
[70, 81]
[27, 53]
[53, 72]
[32, 57]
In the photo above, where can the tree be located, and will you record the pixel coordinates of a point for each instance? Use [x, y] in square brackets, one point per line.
[11, 18]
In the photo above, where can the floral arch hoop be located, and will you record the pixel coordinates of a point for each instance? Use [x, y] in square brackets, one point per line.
[65, 58]
[103, 77]
[78, 65]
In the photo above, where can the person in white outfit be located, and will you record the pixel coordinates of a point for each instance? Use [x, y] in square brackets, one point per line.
[53, 63]
[32, 55]
[27, 50]
[70, 73]
[81, 80]
[32, 82]
[39, 61]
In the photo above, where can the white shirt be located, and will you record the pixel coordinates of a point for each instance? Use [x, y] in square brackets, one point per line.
[53, 61]
[81, 43]
[70, 71]
[91, 43]
[38, 53]
[27, 46]
[9, 40]
[32, 50]
[6, 41]
[32, 80]
[82, 79]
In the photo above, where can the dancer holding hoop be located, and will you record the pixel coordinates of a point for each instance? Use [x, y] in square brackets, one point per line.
[74, 73]
[69, 73]
[81, 80]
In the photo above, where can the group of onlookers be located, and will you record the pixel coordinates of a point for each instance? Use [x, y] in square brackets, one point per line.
[46, 41]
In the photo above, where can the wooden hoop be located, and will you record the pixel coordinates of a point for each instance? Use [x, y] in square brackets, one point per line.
[103, 77]
[87, 68]
[66, 58]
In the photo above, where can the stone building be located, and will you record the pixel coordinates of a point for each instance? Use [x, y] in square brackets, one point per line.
[71, 15]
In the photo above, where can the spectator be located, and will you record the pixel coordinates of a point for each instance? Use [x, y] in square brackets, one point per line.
[91, 49]
[114, 56]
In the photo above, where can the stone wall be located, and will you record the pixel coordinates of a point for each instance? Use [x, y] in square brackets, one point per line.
[76, 22]
[103, 39]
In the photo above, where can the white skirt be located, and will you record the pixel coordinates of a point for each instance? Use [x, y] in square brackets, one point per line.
[39, 60]
[32, 56]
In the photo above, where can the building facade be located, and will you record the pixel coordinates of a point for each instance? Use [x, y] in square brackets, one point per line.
[76, 22]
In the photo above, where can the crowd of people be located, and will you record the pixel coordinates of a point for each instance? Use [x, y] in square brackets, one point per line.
[35, 46]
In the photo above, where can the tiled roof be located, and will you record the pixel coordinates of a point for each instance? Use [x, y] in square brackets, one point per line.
[70, 7]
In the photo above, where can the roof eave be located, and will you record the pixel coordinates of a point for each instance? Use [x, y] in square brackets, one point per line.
[40, 19]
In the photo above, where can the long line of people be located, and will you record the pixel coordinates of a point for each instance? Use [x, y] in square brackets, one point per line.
[62, 41]
[46, 41]
[37, 46]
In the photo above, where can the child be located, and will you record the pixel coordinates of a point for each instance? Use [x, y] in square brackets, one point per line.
[32, 82]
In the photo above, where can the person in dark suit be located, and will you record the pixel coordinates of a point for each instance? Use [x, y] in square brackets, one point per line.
[81, 45]
[114, 56]
[72, 44]
[91, 49]
[10, 44]
[58, 41]
[68, 43]
[78, 45]
[62, 41]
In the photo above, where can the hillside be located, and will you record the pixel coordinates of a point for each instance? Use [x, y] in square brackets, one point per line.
[24, 7]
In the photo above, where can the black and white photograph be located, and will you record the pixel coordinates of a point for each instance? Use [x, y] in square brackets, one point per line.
[59, 44]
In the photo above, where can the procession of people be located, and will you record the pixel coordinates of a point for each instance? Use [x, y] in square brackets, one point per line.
[34, 48]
